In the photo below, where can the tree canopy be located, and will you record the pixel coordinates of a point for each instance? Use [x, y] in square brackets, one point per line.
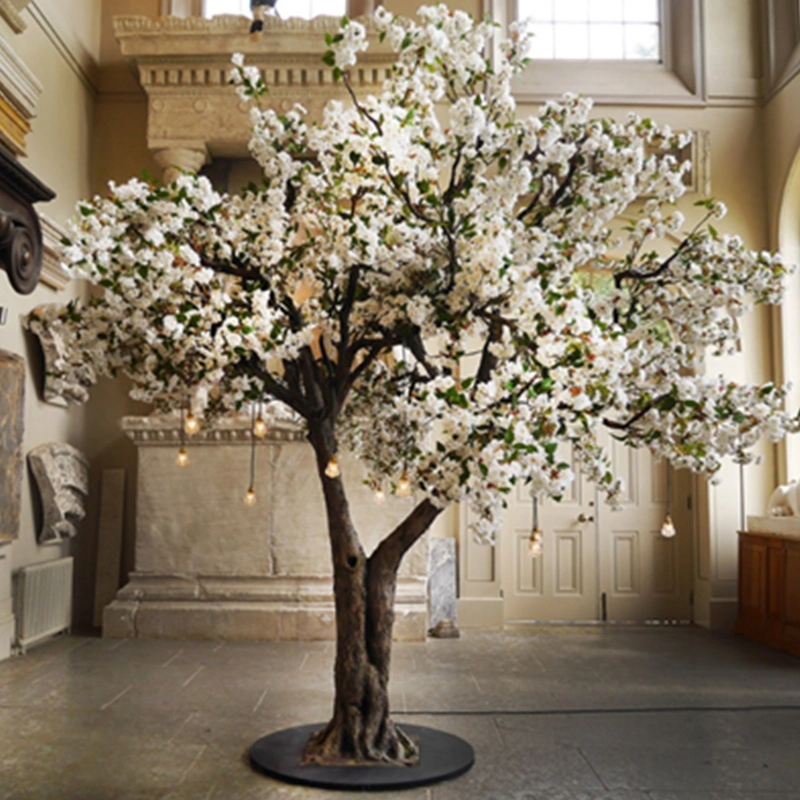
[405, 236]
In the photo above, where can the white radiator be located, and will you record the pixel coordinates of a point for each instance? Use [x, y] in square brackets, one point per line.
[43, 601]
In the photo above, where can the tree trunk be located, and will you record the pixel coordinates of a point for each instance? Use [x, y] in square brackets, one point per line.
[361, 729]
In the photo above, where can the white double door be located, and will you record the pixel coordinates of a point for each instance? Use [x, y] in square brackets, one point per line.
[597, 563]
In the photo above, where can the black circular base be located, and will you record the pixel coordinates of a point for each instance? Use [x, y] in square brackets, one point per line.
[442, 756]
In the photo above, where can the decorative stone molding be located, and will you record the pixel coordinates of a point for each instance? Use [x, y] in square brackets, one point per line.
[184, 64]
[19, 97]
[9, 12]
[74, 387]
[20, 232]
[161, 430]
[62, 475]
[53, 274]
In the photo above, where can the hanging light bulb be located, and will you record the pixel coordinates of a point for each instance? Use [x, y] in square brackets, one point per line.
[380, 496]
[404, 485]
[535, 543]
[332, 470]
[250, 496]
[183, 457]
[260, 427]
[668, 528]
[192, 424]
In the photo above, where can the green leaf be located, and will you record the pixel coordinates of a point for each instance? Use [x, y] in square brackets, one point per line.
[329, 58]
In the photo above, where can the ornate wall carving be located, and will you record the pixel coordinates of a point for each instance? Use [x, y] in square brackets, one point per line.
[62, 475]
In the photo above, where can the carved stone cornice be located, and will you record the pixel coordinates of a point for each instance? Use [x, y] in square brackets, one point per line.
[19, 96]
[9, 12]
[165, 431]
[20, 231]
[53, 273]
[184, 64]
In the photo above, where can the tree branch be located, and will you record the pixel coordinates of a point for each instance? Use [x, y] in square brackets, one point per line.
[628, 424]
[389, 553]
[238, 271]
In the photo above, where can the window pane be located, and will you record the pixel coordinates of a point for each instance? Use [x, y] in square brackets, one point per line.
[542, 42]
[332, 8]
[572, 10]
[213, 7]
[572, 41]
[536, 10]
[605, 11]
[641, 11]
[606, 41]
[642, 42]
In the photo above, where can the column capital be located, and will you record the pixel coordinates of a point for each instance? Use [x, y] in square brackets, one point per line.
[176, 160]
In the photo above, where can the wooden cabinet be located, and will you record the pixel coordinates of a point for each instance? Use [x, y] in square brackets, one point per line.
[769, 590]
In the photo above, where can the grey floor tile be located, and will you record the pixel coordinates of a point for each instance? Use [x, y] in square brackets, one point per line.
[553, 714]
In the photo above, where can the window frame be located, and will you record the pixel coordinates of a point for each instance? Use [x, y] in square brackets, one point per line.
[678, 79]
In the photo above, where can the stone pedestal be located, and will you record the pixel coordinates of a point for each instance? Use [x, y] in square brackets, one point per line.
[208, 566]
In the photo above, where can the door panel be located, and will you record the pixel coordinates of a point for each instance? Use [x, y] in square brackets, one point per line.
[591, 550]
[643, 575]
[561, 583]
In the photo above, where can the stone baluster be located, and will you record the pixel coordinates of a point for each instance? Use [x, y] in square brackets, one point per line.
[174, 161]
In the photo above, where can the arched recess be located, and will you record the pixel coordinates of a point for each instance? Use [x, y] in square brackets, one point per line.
[787, 317]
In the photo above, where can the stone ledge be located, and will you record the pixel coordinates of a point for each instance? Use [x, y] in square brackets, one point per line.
[165, 430]
[250, 589]
[241, 621]
[788, 527]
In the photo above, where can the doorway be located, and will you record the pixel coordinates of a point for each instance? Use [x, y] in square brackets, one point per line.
[598, 564]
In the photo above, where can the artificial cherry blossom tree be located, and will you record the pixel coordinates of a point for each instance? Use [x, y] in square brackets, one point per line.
[389, 242]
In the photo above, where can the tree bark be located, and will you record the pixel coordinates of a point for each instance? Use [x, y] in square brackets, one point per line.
[361, 729]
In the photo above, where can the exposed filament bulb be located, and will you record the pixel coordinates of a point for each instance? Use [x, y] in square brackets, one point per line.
[668, 528]
[250, 496]
[535, 543]
[260, 427]
[380, 496]
[332, 470]
[404, 485]
[183, 457]
[192, 424]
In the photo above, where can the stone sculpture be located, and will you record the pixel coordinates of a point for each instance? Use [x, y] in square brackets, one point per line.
[785, 501]
[62, 475]
[64, 383]
[442, 591]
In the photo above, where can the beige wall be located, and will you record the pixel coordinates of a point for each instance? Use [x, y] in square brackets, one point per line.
[91, 128]
[60, 55]
[80, 139]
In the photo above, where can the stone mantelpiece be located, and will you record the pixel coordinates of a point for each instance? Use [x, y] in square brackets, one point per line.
[208, 566]
[183, 66]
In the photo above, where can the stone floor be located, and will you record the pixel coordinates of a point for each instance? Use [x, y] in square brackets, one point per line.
[572, 713]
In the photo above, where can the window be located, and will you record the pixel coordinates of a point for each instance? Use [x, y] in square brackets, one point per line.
[287, 8]
[621, 52]
[594, 29]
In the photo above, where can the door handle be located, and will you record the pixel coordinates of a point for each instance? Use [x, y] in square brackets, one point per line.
[584, 518]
